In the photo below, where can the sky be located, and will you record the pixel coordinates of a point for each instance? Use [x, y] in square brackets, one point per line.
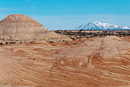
[67, 14]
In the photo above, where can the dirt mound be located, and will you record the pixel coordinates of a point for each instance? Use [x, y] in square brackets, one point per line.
[19, 27]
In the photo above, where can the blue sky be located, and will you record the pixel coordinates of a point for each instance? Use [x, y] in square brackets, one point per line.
[66, 14]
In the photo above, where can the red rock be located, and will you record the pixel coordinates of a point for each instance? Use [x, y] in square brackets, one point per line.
[86, 64]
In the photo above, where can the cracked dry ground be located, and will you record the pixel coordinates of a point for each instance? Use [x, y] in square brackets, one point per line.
[98, 62]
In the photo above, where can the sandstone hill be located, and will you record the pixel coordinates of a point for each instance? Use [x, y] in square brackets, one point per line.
[96, 62]
[19, 27]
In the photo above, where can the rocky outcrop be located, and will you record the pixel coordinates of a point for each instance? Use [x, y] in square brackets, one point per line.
[19, 27]
[113, 46]
[98, 62]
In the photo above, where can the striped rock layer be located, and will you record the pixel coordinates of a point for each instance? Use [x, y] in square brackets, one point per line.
[23, 28]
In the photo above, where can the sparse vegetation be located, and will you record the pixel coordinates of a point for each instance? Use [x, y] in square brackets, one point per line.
[75, 34]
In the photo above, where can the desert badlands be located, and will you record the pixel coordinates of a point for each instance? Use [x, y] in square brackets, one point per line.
[42, 58]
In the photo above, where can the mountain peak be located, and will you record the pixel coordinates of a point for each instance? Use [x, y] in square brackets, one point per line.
[100, 26]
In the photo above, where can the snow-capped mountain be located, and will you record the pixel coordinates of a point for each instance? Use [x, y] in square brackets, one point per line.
[100, 26]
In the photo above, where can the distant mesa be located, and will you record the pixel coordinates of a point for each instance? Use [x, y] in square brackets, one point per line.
[100, 26]
[23, 28]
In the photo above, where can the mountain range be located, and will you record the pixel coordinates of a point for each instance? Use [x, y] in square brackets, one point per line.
[100, 26]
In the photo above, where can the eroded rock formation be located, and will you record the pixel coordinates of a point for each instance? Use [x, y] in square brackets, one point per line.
[97, 62]
[19, 27]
